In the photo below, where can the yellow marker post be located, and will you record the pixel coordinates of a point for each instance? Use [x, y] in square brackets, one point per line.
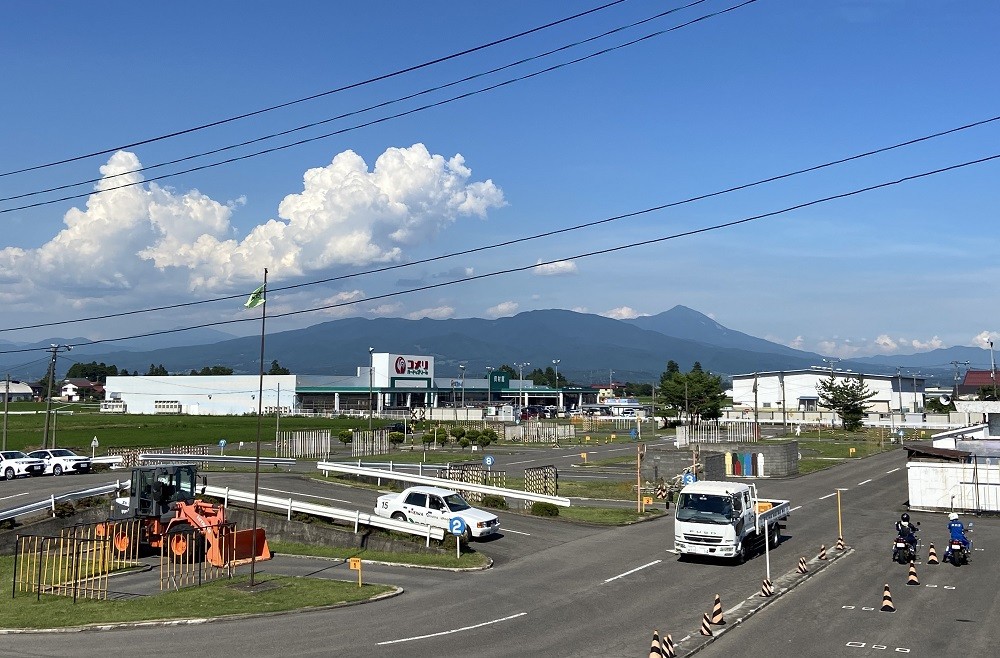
[355, 564]
[647, 500]
[612, 438]
[583, 456]
[850, 451]
[840, 523]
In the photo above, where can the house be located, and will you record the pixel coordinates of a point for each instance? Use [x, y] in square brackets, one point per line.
[16, 392]
[77, 390]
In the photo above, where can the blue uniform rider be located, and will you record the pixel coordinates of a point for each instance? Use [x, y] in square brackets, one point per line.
[957, 531]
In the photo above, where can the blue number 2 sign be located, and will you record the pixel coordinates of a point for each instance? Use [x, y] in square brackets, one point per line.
[456, 525]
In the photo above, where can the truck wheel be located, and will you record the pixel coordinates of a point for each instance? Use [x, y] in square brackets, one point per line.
[399, 516]
[57, 470]
[9, 474]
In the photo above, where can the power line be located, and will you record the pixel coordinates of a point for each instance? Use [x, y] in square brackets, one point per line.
[345, 115]
[536, 236]
[522, 268]
[383, 119]
[353, 85]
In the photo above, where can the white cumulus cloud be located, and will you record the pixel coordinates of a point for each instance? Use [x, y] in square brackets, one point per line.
[502, 309]
[886, 344]
[436, 313]
[622, 313]
[926, 345]
[341, 303]
[386, 310]
[984, 338]
[557, 268]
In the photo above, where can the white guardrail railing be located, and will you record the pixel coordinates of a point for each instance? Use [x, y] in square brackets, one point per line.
[440, 482]
[51, 502]
[214, 459]
[357, 517]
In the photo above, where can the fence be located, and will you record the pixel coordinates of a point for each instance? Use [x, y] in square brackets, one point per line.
[475, 474]
[534, 431]
[63, 565]
[182, 557]
[541, 480]
[733, 432]
[130, 456]
[305, 443]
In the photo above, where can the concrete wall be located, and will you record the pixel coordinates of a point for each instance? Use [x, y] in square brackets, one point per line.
[946, 486]
[780, 459]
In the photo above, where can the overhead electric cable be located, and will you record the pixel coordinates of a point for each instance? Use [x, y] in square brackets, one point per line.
[384, 119]
[523, 268]
[536, 236]
[345, 115]
[353, 85]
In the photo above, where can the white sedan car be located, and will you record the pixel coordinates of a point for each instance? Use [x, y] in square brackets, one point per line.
[14, 463]
[59, 461]
[435, 506]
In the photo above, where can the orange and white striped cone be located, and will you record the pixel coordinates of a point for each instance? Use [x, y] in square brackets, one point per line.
[911, 578]
[822, 552]
[932, 557]
[887, 605]
[706, 626]
[655, 650]
[717, 617]
[766, 588]
[802, 568]
[840, 543]
[667, 647]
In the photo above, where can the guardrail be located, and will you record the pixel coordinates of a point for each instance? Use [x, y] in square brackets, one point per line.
[356, 517]
[51, 502]
[213, 459]
[440, 482]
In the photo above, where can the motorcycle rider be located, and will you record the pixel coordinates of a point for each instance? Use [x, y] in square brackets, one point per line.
[957, 531]
[907, 530]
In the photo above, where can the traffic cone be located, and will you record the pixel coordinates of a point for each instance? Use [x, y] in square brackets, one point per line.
[706, 626]
[822, 551]
[840, 543]
[932, 557]
[887, 605]
[802, 568]
[717, 618]
[655, 650]
[667, 647]
[765, 588]
[911, 578]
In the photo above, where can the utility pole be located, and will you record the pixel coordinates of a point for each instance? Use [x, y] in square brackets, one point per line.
[899, 377]
[6, 398]
[371, 369]
[784, 416]
[993, 371]
[954, 392]
[916, 407]
[755, 417]
[55, 349]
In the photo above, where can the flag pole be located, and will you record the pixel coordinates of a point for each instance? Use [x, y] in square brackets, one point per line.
[260, 407]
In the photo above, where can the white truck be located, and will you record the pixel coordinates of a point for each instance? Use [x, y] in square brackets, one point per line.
[725, 519]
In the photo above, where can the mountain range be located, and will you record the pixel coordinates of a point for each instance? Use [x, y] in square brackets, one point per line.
[591, 349]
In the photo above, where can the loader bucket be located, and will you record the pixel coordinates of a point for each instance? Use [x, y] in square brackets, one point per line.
[235, 547]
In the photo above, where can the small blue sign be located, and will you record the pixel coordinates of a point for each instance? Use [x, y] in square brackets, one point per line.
[456, 525]
[688, 478]
[488, 460]
[633, 433]
[222, 443]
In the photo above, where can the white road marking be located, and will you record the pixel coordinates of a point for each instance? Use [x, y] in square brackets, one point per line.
[576, 476]
[892, 471]
[632, 571]
[305, 495]
[14, 495]
[865, 482]
[827, 496]
[454, 630]
[517, 532]
[795, 508]
[527, 461]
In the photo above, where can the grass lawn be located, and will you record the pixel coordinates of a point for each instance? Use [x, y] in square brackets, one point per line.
[223, 597]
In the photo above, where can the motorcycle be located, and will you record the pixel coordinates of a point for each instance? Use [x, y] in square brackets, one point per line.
[958, 553]
[902, 551]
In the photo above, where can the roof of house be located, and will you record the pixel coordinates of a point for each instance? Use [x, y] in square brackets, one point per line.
[977, 378]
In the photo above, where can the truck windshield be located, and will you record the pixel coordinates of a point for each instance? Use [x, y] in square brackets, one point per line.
[702, 508]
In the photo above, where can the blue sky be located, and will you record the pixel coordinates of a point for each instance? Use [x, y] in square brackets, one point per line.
[766, 89]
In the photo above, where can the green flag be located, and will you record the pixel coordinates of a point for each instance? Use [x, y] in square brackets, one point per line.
[256, 298]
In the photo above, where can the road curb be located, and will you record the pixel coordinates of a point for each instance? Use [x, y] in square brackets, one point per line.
[785, 584]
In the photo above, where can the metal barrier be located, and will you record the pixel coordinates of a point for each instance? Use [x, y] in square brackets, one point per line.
[51, 502]
[182, 558]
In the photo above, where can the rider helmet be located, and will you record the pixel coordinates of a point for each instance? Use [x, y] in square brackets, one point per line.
[953, 516]
[904, 517]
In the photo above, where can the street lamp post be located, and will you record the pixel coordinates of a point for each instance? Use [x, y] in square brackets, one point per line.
[371, 370]
[611, 382]
[556, 363]
[520, 379]
[462, 369]
[55, 349]
[489, 384]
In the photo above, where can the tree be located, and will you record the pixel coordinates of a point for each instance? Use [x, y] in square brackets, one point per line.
[276, 369]
[156, 371]
[511, 372]
[698, 393]
[464, 442]
[457, 431]
[396, 438]
[93, 371]
[213, 370]
[848, 397]
[345, 436]
[988, 392]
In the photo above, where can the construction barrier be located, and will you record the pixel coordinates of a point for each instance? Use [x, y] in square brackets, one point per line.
[717, 617]
[822, 552]
[802, 568]
[766, 589]
[911, 577]
[887, 605]
[932, 557]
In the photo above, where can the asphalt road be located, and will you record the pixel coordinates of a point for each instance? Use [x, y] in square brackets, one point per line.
[562, 589]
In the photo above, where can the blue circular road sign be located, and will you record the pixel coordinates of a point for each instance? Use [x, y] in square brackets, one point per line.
[488, 460]
[688, 478]
[456, 525]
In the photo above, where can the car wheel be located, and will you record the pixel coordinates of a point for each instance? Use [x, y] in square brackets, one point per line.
[9, 473]
[399, 516]
[468, 535]
[57, 470]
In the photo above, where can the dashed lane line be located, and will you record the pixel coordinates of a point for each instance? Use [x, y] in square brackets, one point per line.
[305, 495]
[828, 496]
[892, 471]
[517, 532]
[865, 482]
[453, 630]
[632, 571]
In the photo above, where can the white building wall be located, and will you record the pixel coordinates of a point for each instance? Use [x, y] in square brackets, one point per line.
[940, 486]
[209, 395]
[805, 384]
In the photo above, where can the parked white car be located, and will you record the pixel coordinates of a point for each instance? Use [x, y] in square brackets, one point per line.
[14, 463]
[436, 507]
[60, 460]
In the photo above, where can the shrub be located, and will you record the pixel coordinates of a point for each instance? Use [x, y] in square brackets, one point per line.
[395, 438]
[457, 431]
[464, 442]
[496, 502]
[544, 509]
[345, 436]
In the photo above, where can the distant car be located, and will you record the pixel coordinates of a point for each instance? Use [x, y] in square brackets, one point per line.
[14, 463]
[435, 506]
[60, 460]
[400, 427]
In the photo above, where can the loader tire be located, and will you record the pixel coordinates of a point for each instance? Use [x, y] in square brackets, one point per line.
[184, 544]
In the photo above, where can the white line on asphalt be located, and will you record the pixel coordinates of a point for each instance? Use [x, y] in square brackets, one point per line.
[454, 630]
[892, 471]
[14, 495]
[527, 461]
[622, 575]
[574, 476]
[827, 496]
[305, 495]
[526, 534]
[795, 508]
[865, 482]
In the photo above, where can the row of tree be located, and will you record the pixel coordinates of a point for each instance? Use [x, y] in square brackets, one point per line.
[99, 372]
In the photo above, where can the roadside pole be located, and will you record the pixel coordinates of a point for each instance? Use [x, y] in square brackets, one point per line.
[767, 552]
[840, 523]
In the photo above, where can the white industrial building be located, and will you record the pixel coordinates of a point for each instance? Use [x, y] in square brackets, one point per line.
[798, 390]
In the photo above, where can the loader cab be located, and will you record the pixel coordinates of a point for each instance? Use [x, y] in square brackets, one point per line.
[153, 488]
